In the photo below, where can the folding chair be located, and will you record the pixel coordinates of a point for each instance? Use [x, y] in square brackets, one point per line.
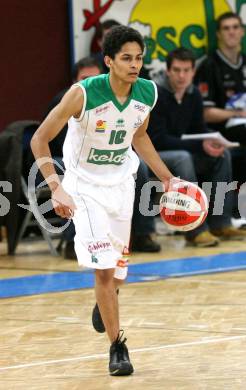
[40, 192]
[31, 213]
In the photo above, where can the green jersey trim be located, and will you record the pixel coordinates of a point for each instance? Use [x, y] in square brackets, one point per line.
[117, 104]
[142, 91]
[78, 85]
[96, 90]
[99, 91]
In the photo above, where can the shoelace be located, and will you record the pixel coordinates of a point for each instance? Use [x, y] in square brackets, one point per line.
[120, 343]
[120, 336]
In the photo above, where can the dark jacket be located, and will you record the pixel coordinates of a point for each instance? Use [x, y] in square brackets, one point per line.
[11, 165]
[170, 119]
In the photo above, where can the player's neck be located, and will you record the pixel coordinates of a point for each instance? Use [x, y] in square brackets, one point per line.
[120, 88]
[232, 54]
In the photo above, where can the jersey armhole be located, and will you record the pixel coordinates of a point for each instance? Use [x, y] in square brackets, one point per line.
[156, 94]
[85, 101]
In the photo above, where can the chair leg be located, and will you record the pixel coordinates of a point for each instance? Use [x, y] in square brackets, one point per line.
[48, 239]
[30, 214]
[60, 245]
[24, 225]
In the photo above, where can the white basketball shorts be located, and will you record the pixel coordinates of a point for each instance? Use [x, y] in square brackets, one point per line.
[102, 222]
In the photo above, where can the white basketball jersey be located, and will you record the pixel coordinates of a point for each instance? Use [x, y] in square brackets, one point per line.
[97, 147]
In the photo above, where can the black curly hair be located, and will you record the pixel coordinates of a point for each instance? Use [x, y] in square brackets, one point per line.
[117, 37]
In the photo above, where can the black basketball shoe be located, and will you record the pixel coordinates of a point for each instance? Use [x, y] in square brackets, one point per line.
[119, 362]
[97, 321]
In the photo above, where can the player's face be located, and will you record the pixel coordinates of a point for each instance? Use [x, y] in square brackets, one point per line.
[127, 63]
[180, 74]
[87, 71]
[230, 33]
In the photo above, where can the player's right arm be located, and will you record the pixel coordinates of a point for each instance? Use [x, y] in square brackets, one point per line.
[70, 105]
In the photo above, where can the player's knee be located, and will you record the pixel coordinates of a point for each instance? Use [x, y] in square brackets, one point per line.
[104, 276]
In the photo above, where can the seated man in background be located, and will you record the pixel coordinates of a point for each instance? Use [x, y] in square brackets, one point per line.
[179, 111]
[101, 31]
[221, 79]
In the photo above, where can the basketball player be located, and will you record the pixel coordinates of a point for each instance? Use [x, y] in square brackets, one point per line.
[105, 114]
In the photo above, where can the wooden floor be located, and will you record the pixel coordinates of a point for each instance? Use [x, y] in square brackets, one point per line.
[183, 333]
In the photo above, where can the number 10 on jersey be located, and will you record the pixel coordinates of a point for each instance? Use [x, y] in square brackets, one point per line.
[117, 137]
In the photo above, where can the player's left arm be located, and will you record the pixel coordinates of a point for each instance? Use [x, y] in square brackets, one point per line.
[145, 149]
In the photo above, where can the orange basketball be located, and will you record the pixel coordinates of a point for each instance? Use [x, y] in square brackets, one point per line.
[184, 206]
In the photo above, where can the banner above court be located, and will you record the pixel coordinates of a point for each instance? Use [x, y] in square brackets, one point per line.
[165, 24]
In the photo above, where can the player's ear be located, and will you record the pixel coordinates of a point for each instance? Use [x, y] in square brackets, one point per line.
[108, 61]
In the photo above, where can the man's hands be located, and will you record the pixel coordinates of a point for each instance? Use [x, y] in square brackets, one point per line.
[213, 148]
[239, 114]
[63, 203]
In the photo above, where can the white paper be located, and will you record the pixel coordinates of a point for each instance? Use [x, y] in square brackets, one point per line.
[216, 136]
[235, 122]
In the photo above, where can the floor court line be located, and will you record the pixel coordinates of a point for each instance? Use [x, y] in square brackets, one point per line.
[105, 355]
[206, 281]
[9, 331]
[150, 326]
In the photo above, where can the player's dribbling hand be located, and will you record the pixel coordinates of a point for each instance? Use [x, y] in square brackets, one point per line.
[169, 183]
[63, 203]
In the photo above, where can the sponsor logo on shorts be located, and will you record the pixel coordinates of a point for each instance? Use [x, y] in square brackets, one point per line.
[101, 126]
[105, 157]
[99, 246]
[94, 259]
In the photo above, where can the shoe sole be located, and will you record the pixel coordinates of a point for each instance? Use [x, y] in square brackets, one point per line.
[236, 238]
[210, 245]
[122, 371]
